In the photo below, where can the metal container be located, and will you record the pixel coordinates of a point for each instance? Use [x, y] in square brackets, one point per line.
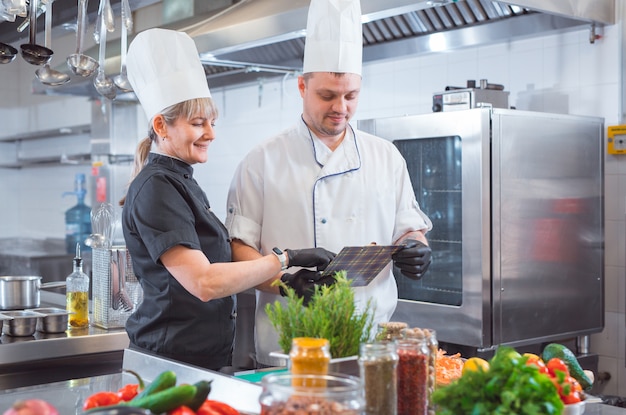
[2, 318]
[20, 292]
[22, 323]
[116, 290]
[53, 320]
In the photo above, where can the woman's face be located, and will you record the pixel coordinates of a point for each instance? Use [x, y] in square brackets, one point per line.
[189, 140]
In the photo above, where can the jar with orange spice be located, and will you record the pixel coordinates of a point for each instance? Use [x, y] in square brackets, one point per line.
[309, 356]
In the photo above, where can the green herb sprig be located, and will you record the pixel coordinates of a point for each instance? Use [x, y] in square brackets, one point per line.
[331, 314]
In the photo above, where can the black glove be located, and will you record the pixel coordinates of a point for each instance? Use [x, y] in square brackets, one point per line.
[313, 257]
[304, 282]
[413, 260]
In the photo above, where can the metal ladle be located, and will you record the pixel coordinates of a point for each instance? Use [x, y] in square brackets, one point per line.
[121, 80]
[79, 63]
[32, 52]
[104, 85]
[46, 74]
[7, 53]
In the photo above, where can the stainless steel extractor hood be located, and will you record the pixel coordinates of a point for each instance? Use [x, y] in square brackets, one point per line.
[252, 39]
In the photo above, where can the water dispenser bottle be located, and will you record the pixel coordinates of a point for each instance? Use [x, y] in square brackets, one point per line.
[77, 218]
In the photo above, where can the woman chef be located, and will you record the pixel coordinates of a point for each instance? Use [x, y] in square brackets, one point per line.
[180, 250]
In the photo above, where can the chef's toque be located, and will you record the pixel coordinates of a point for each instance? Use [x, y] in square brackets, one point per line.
[334, 40]
[164, 69]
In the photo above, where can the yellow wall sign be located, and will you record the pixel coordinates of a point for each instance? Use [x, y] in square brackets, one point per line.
[616, 139]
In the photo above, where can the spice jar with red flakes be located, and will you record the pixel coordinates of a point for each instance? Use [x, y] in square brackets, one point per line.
[289, 394]
[413, 373]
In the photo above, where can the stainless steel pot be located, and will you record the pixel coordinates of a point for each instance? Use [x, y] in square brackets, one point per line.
[20, 292]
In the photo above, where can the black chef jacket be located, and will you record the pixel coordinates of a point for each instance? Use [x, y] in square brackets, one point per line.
[166, 207]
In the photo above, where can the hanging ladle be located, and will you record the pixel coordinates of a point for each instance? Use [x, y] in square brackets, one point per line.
[104, 85]
[7, 53]
[80, 64]
[121, 80]
[46, 74]
[32, 52]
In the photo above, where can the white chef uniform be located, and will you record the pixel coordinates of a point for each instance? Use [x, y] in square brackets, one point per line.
[292, 191]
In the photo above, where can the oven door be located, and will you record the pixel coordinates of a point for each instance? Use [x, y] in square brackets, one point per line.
[448, 158]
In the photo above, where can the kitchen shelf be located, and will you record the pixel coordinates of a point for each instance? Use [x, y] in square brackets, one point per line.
[55, 132]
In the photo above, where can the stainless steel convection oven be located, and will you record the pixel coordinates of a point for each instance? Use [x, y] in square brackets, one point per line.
[516, 201]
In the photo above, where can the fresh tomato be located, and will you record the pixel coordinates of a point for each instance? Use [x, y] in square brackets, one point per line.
[101, 399]
[128, 392]
[182, 410]
[555, 364]
[534, 360]
[213, 407]
[572, 397]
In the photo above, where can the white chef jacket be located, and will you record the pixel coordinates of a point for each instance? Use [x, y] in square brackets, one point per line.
[292, 191]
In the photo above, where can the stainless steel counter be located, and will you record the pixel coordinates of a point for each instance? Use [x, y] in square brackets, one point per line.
[68, 396]
[31, 360]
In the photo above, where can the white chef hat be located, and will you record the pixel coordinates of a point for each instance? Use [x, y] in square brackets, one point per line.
[334, 40]
[164, 69]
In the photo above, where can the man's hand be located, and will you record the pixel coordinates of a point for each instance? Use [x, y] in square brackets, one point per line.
[304, 282]
[414, 259]
[312, 257]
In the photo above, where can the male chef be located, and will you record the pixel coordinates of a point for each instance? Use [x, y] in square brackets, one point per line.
[324, 183]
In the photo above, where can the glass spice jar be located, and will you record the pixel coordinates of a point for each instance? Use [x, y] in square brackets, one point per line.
[431, 337]
[309, 356]
[284, 394]
[390, 331]
[413, 356]
[378, 364]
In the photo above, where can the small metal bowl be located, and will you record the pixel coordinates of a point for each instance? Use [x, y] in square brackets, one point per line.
[22, 323]
[53, 320]
[2, 318]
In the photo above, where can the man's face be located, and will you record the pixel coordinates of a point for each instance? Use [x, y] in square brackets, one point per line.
[330, 101]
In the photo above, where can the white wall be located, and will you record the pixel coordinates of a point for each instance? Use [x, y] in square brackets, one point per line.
[560, 73]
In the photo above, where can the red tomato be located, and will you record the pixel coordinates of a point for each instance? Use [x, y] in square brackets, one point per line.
[555, 364]
[101, 399]
[128, 392]
[539, 364]
[572, 397]
[575, 384]
[182, 410]
[212, 407]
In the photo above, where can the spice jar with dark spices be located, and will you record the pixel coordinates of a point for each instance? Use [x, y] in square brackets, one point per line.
[378, 364]
[413, 356]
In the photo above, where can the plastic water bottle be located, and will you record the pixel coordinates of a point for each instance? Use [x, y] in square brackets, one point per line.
[77, 218]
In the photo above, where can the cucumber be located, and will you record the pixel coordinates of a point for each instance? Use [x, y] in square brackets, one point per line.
[567, 356]
[202, 392]
[163, 381]
[166, 400]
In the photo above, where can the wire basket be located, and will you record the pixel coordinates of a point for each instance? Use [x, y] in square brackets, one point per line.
[116, 291]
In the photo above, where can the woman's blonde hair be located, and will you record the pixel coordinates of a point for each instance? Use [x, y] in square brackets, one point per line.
[186, 109]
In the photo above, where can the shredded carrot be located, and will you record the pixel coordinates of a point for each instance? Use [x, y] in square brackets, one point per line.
[449, 367]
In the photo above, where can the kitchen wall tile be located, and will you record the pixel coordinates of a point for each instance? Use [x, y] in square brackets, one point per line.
[598, 100]
[621, 377]
[560, 38]
[560, 65]
[607, 342]
[608, 365]
[613, 281]
[614, 198]
[615, 245]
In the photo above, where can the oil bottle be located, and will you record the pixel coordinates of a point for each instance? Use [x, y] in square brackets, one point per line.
[77, 294]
